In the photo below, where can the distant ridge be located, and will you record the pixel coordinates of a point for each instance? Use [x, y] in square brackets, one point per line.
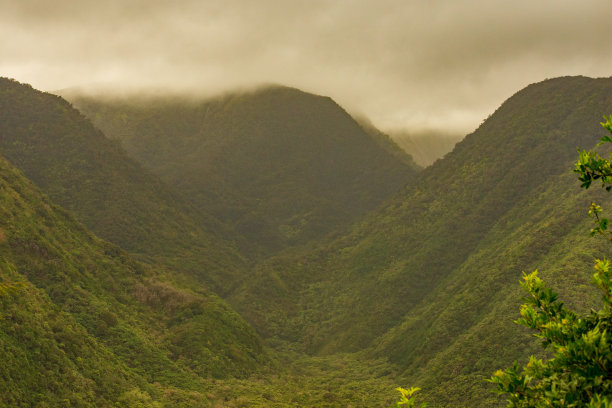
[426, 146]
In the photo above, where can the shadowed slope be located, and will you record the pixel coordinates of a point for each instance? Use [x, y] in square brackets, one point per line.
[82, 170]
[281, 166]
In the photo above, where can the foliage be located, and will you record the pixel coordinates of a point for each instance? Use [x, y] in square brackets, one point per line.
[408, 399]
[280, 166]
[580, 372]
[591, 166]
[442, 256]
[439, 258]
[84, 322]
[90, 175]
[431, 237]
[7, 288]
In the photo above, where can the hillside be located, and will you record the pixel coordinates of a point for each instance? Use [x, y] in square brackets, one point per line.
[95, 327]
[417, 287]
[84, 325]
[90, 327]
[280, 166]
[430, 280]
[90, 175]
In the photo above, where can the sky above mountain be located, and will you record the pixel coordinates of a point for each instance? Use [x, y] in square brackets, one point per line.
[442, 64]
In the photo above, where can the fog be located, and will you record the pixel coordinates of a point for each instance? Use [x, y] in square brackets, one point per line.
[442, 64]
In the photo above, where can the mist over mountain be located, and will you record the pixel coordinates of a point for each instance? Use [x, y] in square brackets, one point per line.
[280, 166]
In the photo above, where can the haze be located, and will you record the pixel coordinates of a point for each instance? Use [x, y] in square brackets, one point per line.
[405, 64]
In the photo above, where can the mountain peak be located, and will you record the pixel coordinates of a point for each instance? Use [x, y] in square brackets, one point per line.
[281, 165]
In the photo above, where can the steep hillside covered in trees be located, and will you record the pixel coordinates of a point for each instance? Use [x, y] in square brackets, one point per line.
[87, 326]
[138, 335]
[429, 280]
[421, 291]
[281, 166]
[90, 175]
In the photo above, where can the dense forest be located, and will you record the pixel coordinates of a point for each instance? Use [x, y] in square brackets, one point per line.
[265, 248]
[281, 166]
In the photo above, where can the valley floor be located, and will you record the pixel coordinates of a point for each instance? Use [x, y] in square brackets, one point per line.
[343, 380]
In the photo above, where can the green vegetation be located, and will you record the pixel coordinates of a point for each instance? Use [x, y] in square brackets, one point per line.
[83, 323]
[87, 315]
[408, 399]
[580, 373]
[273, 200]
[91, 176]
[591, 166]
[442, 257]
[280, 166]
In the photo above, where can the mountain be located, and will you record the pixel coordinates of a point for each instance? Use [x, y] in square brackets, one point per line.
[87, 326]
[280, 166]
[90, 175]
[425, 146]
[429, 280]
[417, 285]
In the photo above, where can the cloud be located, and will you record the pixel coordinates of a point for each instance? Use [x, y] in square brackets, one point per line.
[403, 63]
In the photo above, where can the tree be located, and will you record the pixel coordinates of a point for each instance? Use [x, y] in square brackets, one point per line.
[579, 373]
[408, 399]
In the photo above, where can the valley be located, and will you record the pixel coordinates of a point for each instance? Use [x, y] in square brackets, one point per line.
[265, 248]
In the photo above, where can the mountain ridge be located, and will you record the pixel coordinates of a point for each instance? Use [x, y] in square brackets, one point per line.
[424, 283]
[288, 165]
[92, 176]
[347, 293]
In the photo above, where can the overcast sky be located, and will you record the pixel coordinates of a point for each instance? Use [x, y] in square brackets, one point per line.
[403, 63]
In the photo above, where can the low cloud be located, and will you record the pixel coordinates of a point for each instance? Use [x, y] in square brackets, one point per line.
[402, 63]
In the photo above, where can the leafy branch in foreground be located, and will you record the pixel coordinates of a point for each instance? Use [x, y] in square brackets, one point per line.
[408, 399]
[580, 372]
[591, 167]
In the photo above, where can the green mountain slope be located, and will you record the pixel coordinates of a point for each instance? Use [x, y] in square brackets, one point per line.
[86, 173]
[91, 327]
[462, 332]
[430, 280]
[281, 166]
[436, 224]
[427, 282]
